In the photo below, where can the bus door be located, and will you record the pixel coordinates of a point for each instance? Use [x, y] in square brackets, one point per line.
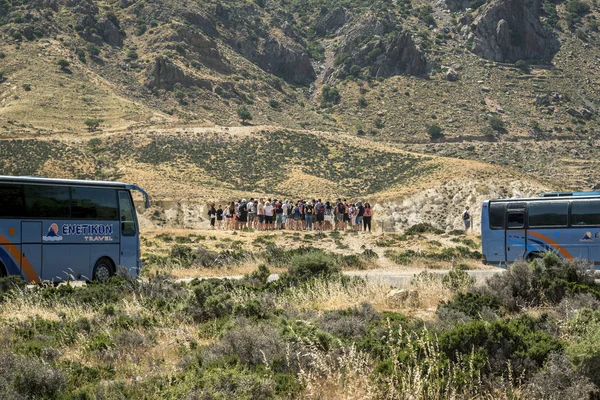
[129, 235]
[516, 235]
[31, 250]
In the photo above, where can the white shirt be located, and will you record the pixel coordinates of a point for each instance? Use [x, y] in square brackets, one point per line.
[285, 208]
[269, 211]
[261, 209]
[251, 207]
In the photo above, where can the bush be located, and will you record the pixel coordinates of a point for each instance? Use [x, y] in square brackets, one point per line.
[244, 114]
[576, 7]
[63, 64]
[473, 305]
[497, 124]
[583, 348]
[183, 254]
[93, 50]
[251, 343]
[92, 124]
[544, 281]
[435, 132]
[81, 55]
[521, 340]
[212, 299]
[330, 95]
[10, 284]
[423, 227]
[351, 323]
[314, 265]
[132, 55]
[22, 377]
[274, 104]
[559, 380]
[362, 102]
[523, 66]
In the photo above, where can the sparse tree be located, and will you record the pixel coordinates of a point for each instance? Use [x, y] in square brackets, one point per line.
[435, 132]
[244, 114]
[92, 124]
[63, 64]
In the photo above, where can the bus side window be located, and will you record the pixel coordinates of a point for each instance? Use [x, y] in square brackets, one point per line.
[11, 201]
[585, 213]
[516, 220]
[497, 213]
[127, 216]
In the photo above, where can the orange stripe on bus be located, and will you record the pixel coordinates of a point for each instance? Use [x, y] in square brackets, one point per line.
[25, 265]
[551, 242]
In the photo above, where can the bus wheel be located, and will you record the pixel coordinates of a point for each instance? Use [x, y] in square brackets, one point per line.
[533, 256]
[103, 269]
[3, 273]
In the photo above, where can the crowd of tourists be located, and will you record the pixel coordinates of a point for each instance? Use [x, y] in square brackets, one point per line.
[274, 214]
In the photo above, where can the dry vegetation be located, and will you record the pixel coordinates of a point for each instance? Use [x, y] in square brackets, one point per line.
[310, 334]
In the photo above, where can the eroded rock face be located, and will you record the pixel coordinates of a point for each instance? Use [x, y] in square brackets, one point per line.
[287, 61]
[332, 21]
[109, 32]
[510, 30]
[165, 75]
[401, 57]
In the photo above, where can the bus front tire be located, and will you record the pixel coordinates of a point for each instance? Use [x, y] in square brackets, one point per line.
[3, 272]
[103, 269]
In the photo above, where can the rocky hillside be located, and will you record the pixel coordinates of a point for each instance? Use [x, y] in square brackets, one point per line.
[474, 70]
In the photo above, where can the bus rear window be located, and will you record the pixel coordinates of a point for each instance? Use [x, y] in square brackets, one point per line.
[94, 203]
[548, 214]
[497, 213]
[585, 213]
[11, 200]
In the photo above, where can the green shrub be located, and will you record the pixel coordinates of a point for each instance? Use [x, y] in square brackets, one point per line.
[523, 66]
[29, 378]
[423, 227]
[244, 114]
[521, 340]
[63, 64]
[435, 132]
[93, 50]
[330, 95]
[351, 323]
[362, 102]
[497, 124]
[583, 348]
[273, 103]
[472, 305]
[11, 284]
[212, 299]
[314, 265]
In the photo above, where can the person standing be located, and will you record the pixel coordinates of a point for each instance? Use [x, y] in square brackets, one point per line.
[268, 215]
[220, 217]
[466, 216]
[251, 213]
[286, 211]
[308, 214]
[340, 210]
[360, 211]
[367, 216]
[212, 214]
[260, 213]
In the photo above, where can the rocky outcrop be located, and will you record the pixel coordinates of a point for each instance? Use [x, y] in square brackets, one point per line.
[206, 24]
[510, 30]
[109, 32]
[332, 21]
[457, 5]
[401, 57]
[285, 60]
[165, 75]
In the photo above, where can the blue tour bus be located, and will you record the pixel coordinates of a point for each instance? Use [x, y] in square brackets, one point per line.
[51, 229]
[523, 229]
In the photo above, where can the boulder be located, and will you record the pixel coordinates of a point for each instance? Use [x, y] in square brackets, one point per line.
[332, 21]
[109, 32]
[165, 74]
[403, 296]
[452, 75]
[207, 25]
[457, 5]
[511, 30]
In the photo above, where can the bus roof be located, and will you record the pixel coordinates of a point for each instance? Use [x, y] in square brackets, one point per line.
[37, 179]
[544, 198]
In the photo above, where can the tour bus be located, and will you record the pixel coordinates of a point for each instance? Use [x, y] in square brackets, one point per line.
[523, 229]
[56, 229]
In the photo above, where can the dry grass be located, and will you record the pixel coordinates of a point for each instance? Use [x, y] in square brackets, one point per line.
[422, 295]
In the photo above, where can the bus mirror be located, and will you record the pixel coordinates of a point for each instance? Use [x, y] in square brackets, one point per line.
[143, 192]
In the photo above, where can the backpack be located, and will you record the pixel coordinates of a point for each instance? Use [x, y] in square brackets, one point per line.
[466, 216]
